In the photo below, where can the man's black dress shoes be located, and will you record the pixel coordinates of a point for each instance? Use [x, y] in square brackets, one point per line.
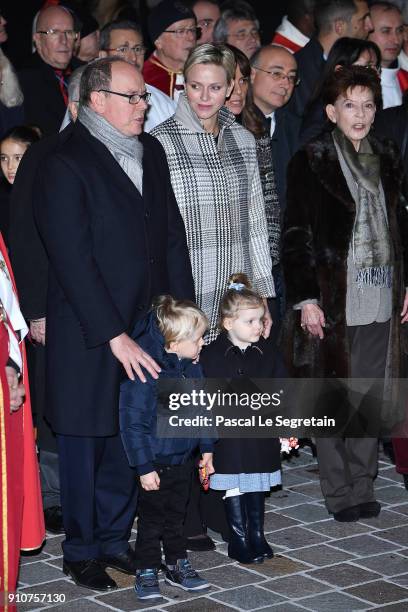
[123, 562]
[348, 515]
[89, 574]
[370, 509]
[53, 519]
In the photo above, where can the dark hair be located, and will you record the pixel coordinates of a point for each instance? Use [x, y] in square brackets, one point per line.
[250, 118]
[349, 77]
[97, 75]
[232, 11]
[296, 9]
[22, 133]
[104, 40]
[328, 11]
[344, 52]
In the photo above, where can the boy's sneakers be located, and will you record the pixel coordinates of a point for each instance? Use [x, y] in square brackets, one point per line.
[147, 584]
[183, 575]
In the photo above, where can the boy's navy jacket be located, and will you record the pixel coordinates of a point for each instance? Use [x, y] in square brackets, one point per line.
[138, 408]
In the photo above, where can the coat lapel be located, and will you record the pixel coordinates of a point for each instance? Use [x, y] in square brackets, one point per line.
[148, 166]
[111, 166]
[324, 162]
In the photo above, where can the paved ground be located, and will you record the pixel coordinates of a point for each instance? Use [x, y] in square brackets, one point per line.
[320, 565]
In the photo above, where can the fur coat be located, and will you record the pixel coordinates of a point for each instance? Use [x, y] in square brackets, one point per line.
[317, 232]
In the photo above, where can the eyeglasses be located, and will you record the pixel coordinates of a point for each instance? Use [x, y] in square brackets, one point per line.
[254, 33]
[54, 34]
[132, 98]
[194, 32]
[125, 49]
[278, 75]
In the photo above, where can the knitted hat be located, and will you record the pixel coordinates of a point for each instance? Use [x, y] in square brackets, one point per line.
[165, 14]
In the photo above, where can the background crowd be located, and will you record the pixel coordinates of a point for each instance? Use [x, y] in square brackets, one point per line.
[152, 148]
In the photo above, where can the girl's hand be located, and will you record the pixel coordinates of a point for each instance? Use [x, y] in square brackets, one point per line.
[207, 461]
[150, 481]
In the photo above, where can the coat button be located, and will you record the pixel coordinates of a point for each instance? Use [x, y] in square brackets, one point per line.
[147, 214]
[152, 260]
[240, 372]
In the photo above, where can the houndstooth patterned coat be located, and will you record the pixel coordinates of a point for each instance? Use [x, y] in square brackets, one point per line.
[217, 186]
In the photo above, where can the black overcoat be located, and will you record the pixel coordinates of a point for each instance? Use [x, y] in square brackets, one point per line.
[221, 359]
[317, 233]
[110, 252]
[43, 104]
[28, 256]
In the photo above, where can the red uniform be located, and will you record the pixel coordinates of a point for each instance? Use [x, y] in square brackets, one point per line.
[21, 514]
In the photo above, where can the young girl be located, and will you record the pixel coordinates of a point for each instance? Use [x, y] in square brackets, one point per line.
[244, 468]
[174, 338]
[12, 148]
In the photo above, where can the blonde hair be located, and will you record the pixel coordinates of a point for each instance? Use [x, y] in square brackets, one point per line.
[239, 296]
[207, 53]
[178, 319]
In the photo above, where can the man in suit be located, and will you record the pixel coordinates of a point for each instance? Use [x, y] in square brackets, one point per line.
[44, 78]
[334, 19]
[115, 239]
[274, 77]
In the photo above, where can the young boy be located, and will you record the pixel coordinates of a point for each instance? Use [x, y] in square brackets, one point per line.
[174, 338]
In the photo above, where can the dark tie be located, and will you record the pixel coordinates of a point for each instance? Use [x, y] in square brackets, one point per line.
[62, 76]
[268, 122]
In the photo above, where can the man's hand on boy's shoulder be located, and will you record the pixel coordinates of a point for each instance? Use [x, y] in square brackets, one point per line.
[132, 356]
[150, 481]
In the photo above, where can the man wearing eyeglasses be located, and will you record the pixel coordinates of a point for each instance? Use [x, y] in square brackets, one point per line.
[238, 26]
[274, 78]
[125, 39]
[173, 30]
[44, 79]
[115, 239]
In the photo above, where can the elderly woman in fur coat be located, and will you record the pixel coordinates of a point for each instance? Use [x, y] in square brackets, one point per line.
[346, 272]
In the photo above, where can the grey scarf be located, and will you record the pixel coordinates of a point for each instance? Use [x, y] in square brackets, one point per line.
[127, 150]
[371, 243]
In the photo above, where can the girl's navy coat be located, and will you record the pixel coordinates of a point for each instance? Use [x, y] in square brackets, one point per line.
[221, 359]
[138, 409]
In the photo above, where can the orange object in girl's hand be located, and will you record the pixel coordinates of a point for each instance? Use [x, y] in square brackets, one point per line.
[204, 477]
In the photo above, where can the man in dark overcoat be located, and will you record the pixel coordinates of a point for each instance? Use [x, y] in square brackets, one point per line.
[115, 239]
[45, 74]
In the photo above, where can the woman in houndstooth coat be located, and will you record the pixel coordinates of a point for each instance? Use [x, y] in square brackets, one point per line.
[215, 178]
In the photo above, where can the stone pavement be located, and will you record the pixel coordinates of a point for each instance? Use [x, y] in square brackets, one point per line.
[319, 564]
